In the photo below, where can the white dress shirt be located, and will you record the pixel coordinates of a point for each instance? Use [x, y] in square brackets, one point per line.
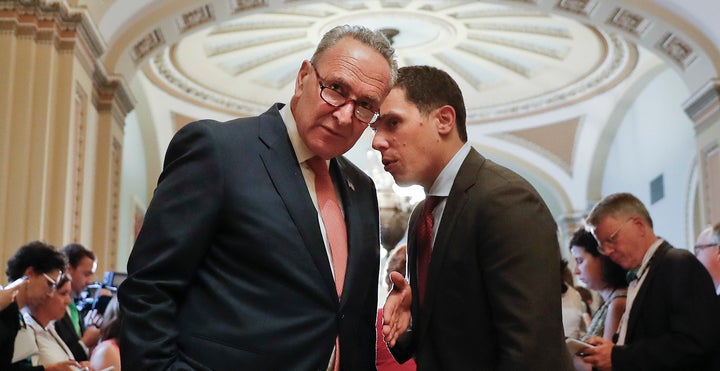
[51, 348]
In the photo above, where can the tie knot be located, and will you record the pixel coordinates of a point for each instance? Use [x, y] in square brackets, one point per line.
[430, 203]
[318, 165]
[631, 275]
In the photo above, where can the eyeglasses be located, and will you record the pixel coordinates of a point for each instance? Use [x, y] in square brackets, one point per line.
[701, 247]
[334, 98]
[53, 283]
[609, 240]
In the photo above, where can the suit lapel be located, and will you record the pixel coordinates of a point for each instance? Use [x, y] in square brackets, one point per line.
[283, 169]
[352, 192]
[348, 197]
[642, 293]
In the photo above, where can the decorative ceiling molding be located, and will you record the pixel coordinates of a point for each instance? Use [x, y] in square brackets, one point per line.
[580, 7]
[556, 142]
[492, 50]
[678, 50]
[183, 87]
[555, 31]
[557, 52]
[147, 44]
[631, 22]
[239, 6]
[194, 18]
[703, 105]
[221, 47]
[619, 62]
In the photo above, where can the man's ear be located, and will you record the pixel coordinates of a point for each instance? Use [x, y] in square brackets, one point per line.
[30, 272]
[300, 80]
[445, 117]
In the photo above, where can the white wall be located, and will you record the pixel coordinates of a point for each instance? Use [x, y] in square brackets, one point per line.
[655, 137]
[132, 189]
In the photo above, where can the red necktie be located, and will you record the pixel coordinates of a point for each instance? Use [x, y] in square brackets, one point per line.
[332, 218]
[424, 243]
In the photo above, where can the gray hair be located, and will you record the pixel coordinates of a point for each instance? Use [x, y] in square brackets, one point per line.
[716, 233]
[617, 205]
[374, 39]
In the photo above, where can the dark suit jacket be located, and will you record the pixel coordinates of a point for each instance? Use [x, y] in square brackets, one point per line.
[229, 271]
[66, 330]
[9, 327]
[674, 322]
[493, 298]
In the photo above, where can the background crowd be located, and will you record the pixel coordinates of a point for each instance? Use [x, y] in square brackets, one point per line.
[260, 251]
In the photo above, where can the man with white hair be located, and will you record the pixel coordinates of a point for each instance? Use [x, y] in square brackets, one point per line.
[671, 317]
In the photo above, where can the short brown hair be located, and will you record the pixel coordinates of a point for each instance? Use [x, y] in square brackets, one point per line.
[429, 88]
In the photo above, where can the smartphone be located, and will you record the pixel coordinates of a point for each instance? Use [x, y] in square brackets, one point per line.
[101, 303]
[575, 346]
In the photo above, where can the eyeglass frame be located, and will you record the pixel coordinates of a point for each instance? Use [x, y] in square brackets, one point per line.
[346, 100]
[53, 282]
[610, 238]
[704, 246]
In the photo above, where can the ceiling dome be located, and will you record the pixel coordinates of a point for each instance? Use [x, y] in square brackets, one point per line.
[507, 61]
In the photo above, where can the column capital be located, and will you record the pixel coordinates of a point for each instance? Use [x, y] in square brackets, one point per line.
[109, 93]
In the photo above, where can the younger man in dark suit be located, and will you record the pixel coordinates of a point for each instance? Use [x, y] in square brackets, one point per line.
[671, 317]
[489, 297]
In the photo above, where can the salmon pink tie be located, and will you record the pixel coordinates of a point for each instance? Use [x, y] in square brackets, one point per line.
[332, 218]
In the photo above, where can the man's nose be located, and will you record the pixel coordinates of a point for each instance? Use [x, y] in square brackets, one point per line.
[345, 113]
[378, 142]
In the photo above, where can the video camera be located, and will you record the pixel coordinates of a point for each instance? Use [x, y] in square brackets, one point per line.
[95, 296]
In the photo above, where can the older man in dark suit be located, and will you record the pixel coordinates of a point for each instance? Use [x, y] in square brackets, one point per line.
[671, 319]
[483, 260]
[250, 256]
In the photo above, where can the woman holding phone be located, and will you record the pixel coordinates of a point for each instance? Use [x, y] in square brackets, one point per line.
[604, 276]
[600, 274]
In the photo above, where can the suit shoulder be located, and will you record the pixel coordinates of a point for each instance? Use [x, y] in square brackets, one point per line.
[679, 260]
[493, 178]
[272, 113]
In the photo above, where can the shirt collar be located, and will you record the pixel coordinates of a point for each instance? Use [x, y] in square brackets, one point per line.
[302, 152]
[645, 264]
[443, 183]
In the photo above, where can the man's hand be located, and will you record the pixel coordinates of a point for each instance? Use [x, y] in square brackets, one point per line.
[396, 312]
[91, 337]
[600, 355]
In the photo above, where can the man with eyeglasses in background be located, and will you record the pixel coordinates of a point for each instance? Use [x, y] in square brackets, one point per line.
[251, 256]
[671, 318]
[707, 250]
[33, 272]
